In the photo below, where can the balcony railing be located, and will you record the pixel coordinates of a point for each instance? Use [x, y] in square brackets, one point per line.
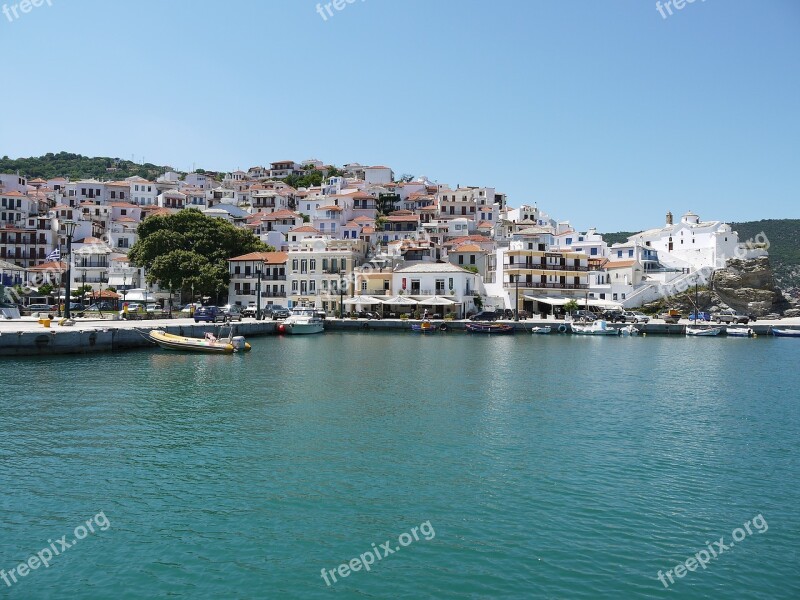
[545, 267]
[546, 286]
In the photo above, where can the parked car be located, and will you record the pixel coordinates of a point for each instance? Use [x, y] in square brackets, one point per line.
[275, 312]
[232, 313]
[634, 316]
[699, 316]
[210, 314]
[614, 316]
[583, 315]
[773, 317]
[731, 316]
[249, 311]
[485, 315]
[508, 313]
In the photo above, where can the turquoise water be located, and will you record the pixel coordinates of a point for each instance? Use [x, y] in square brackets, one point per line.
[546, 467]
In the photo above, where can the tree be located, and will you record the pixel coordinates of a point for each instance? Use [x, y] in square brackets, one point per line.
[570, 306]
[189, 250]
[81, 290]
[406, 177]
[45, 289]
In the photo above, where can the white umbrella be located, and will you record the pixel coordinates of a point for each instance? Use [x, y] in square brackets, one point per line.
[437, 301]
[365, 300]
[402, 300]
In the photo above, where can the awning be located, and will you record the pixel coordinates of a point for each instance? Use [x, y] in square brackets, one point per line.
[561, 301]
[138, 295]
[118, 280]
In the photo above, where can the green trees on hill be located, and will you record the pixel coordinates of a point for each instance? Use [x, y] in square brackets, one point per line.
[76, 166]
[189, 251]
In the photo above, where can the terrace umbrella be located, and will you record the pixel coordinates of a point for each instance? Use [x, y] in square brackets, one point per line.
[437, 301]
[401, 301]
[361, 300]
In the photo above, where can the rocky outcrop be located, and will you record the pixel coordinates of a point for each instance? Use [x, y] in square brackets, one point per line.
[749, 287]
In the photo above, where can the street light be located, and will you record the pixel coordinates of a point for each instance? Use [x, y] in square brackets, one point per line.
[69, 230]
[341, 300]
[516, 309]
[258, 294]
[124, 288]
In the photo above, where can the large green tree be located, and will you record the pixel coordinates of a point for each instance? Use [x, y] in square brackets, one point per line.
[189, 250]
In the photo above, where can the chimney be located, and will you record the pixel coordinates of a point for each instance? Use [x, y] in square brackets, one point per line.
[669, 218]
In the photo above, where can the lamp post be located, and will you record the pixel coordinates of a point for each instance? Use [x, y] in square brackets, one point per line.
[258, 293]
[69, 230]
[83, 287]
[341, 300]
[516, 294]
[124, 288]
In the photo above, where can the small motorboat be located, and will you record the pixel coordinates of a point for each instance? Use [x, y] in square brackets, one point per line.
[541, 330]
[785, 332]
[703, 331]
[425, 327]
[739, 332]
[629, 330]
[489, 328]
[599, 327]
[208, 344]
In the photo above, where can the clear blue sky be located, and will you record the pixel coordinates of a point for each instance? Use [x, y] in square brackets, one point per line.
[603, 112]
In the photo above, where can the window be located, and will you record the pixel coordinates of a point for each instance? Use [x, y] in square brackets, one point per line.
[295, 263]
[461, 259]
[312, 286]
[343, 263]
[304, 266]
[593, 251]
[630, 253]
[324, 265]
[568, 241]
[619, 253]
[472, 259]
[312, 264]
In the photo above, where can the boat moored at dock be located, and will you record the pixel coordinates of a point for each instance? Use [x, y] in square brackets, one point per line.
[303, 320]
[209, 344]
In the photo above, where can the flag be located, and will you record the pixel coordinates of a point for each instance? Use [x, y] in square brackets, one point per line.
[54, 255]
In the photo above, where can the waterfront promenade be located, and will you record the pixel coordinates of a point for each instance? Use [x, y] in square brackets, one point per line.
[27, 336]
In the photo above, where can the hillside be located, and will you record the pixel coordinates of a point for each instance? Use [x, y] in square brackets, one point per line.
[784, 251]
[76, 166]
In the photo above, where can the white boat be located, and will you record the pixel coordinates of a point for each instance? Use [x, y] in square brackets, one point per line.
[599, 327]
[303, 320]
[704, 331]
[739, 331]
[629, 330]
[542, 330]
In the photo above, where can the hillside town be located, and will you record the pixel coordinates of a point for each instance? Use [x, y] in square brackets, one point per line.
[361, 234]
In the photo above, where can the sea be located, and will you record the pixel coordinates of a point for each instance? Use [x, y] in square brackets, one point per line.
[398, 465]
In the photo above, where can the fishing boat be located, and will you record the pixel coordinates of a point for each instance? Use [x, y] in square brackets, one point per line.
[209, 344]
[303, 320]
[599, 327]
[541, 330]
[489, 328]
[785, 332]
[424, 327]
[703, 331]
[739, 332]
